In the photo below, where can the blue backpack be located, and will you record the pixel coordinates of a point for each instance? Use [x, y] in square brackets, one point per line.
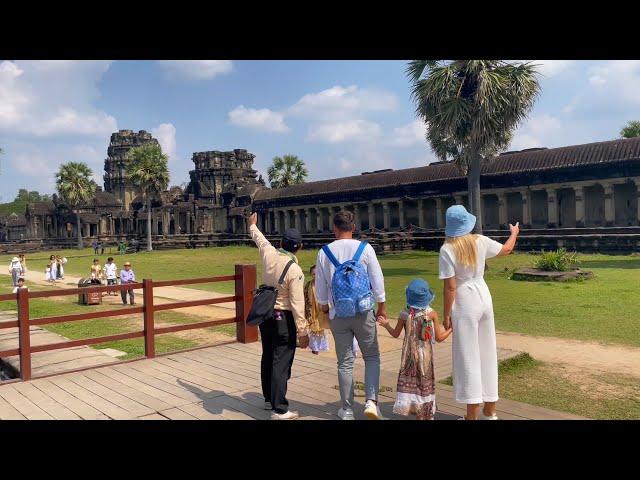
[350, 284]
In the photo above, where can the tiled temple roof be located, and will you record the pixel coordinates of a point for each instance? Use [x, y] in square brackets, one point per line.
[511, 162]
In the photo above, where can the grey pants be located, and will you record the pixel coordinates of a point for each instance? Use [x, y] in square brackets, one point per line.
[15, 274]
[363, 327]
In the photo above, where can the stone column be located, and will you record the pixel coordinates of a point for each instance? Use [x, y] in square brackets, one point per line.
[439, 219]
[637, 181]
[402, 218]
[188, 222]
[297, 214]
[421, 214]
[285, 214]
[372, 215]
[526, 207]
[276, 221]
[609, 205]
[356, 216]
[552, 206]
[579, 193]
[307, 220]
[387, 215]
[503, 216]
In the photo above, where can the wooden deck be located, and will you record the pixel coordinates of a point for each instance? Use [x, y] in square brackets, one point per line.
[216, 383]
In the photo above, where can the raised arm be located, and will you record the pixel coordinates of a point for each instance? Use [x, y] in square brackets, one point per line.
[509, 245]
[256, 235]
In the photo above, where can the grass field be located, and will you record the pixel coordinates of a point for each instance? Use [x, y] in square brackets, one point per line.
[603, 397]
[603, 309]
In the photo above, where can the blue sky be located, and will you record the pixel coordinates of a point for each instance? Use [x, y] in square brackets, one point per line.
[341, 117]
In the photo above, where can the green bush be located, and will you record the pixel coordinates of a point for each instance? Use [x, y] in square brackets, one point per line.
[558, 261]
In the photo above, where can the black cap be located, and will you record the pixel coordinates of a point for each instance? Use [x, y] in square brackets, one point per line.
[291, 240]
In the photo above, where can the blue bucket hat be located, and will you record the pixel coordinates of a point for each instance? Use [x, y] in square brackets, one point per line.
[418, 293]
[459, 221]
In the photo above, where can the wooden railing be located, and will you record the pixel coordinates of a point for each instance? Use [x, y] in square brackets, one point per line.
[245, 284]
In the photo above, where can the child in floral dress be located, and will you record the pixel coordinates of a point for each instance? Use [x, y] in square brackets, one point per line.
[416, 392]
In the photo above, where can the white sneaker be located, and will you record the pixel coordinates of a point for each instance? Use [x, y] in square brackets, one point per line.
[284, 416]
[346, 414]
[485, 417]
[371, 410]
[267, 406]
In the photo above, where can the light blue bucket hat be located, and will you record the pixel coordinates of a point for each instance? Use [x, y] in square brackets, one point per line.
[459, 221]
[419, 295]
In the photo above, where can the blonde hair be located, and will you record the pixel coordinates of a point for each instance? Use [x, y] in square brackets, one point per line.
[465, 249]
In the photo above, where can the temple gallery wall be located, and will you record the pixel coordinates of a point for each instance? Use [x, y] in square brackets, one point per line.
[591, 186]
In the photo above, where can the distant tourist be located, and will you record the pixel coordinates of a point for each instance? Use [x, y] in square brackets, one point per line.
[23, 261]
[475, 359]
[110, 272]
[416, 390]
[349, 283]
[127, 276]
[100, 246]
[61, 261]
[16, 270]
[122, 248]
[96, 272]
[52, 269]
[318, 320]
[20, 285]
[278, 334]
[94, 244]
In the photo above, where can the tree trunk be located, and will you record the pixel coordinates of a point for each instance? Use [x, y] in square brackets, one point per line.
[149, 246]
[78, 226]
[473, 180]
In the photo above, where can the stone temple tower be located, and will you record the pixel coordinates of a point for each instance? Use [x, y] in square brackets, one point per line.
[217, 173]
[115, 180]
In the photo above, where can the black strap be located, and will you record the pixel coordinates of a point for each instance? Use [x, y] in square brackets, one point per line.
[284, 272]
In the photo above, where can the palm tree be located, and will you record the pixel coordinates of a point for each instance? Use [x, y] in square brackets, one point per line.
[149, 171]
[471, 108]
[75, 188]
[631, 129]
[286, 171]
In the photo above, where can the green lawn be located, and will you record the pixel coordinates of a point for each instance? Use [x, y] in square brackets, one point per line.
[604, 397]
[603, 309]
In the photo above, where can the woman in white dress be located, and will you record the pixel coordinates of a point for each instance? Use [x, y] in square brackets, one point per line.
[468, 309]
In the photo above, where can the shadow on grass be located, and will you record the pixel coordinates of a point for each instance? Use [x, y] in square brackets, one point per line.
[623, 263]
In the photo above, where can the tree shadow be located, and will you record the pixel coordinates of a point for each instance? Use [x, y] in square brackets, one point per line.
[625, 264]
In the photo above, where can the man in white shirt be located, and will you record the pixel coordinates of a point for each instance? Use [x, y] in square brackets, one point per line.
[362, 326]
[110, 273]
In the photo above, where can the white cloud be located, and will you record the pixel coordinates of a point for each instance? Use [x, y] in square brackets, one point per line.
[195, 69]
[258, 119]
[552, 68]
[49, 98]
[339, 132]
[165, 133]
[344, 102]
[345, 165]
[539, 131]
[408, 135]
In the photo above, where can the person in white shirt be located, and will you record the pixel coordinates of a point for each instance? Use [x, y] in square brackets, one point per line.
[20, 285]
[16, 270]
[468, 310]
[110, 273]
[362, 326]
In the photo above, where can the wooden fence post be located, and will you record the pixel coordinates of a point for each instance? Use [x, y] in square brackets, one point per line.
[24, 335]
[245, 286]
[149, 324]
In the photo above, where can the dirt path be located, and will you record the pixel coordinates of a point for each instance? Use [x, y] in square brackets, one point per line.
[587, 355]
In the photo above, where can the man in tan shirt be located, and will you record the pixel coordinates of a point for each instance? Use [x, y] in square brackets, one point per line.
[279, 334]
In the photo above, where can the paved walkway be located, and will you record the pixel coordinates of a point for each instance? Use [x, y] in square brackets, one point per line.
[214, 383]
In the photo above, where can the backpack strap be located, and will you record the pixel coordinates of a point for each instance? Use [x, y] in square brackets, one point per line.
[330, 256]
[284, 272]
[361, 247]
